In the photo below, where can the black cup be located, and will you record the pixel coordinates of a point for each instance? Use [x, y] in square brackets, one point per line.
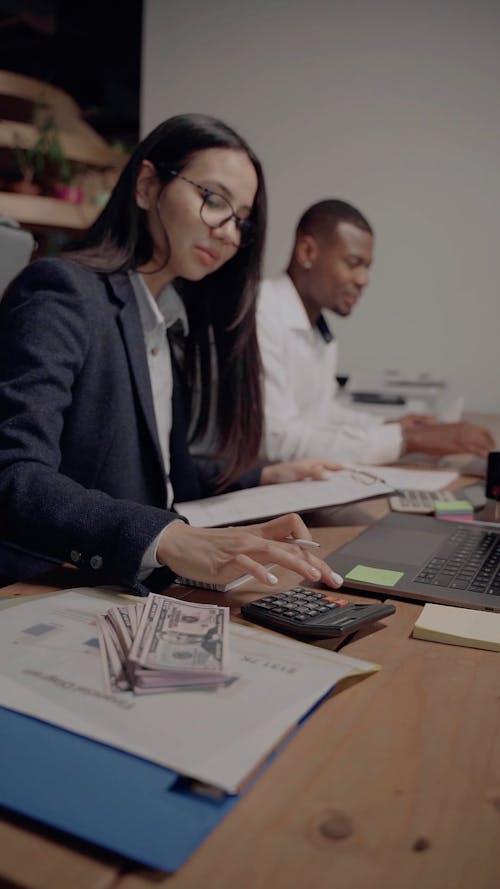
[493, 476]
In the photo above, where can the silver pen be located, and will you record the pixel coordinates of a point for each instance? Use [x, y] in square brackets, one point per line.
[304, 544]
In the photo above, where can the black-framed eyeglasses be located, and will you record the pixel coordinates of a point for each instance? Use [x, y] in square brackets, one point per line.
[216, 210]
[366, 478]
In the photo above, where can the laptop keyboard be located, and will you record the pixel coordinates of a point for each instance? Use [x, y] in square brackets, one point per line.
[469, 560]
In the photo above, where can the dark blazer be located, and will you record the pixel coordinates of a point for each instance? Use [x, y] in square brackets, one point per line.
[81, 473]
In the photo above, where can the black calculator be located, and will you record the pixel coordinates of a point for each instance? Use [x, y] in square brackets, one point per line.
[312, 613]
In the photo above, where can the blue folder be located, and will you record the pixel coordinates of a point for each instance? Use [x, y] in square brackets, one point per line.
[103, 795]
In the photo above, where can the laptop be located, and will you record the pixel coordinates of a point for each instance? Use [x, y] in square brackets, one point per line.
[425, 559]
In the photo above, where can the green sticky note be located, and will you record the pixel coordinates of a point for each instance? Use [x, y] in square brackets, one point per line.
[452, 506]
[379, 576]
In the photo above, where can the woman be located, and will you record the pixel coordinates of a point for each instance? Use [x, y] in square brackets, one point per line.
[93, 441]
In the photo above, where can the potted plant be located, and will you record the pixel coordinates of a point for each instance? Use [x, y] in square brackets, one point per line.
[43, 165]
[58, 169]
[30, 162]
[67, 187]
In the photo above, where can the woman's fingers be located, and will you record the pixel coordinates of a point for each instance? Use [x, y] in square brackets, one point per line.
[326, 574]
[297, 470]
[292, 526]
[316, 472]
[222, 554]
[291, 556]
[319, 469]
[282, 531]
[261, 573]
[289, 525]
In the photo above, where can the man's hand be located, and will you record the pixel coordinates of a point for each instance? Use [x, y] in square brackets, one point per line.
[219, 555]
[297, 470]
[408, 420]
[447, 438]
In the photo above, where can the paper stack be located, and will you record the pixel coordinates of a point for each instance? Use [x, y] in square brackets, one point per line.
[459, 626]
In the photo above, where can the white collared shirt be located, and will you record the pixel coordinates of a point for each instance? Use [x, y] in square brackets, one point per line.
[302, 415]
[157, 316]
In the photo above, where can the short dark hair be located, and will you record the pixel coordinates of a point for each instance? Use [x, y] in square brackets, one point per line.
[322, 219]
[221, 307]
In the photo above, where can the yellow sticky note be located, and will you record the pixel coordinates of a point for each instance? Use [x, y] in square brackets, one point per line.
[378, 576]
[452, 506]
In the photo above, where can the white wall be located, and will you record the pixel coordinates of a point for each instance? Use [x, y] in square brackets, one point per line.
[393, 105]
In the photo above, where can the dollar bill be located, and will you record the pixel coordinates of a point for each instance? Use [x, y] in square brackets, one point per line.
[113, 657]
[185, 636]
[144, 629]
[164, 644]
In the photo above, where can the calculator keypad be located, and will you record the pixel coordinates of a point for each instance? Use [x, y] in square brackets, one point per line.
[301, 605]
[423, 502]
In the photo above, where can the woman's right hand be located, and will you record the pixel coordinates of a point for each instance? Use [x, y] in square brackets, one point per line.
[220, 555]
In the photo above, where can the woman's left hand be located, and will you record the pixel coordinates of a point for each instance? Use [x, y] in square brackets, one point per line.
[297, 470]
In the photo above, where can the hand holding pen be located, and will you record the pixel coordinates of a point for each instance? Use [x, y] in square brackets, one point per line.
[221, 555]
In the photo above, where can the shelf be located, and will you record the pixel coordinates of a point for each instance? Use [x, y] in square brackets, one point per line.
[81, 144]
[34, 210]
[79, 141]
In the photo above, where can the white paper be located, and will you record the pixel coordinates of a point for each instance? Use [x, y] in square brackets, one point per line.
[50, 669]
[270, 500]
[346, 486]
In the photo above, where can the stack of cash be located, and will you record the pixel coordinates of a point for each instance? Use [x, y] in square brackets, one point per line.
[163, 645]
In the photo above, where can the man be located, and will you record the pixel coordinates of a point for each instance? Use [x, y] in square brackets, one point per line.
[327, 273]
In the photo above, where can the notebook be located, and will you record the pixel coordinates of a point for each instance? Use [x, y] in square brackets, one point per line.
[423, 558]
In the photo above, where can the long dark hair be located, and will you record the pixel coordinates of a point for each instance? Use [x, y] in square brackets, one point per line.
[224, 302]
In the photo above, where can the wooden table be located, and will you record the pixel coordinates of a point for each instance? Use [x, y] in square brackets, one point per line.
[393, 783]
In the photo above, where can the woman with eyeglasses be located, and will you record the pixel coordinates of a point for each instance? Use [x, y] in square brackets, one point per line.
[94, 403]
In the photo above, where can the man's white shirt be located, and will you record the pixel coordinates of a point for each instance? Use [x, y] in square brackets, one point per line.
[303, 417]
